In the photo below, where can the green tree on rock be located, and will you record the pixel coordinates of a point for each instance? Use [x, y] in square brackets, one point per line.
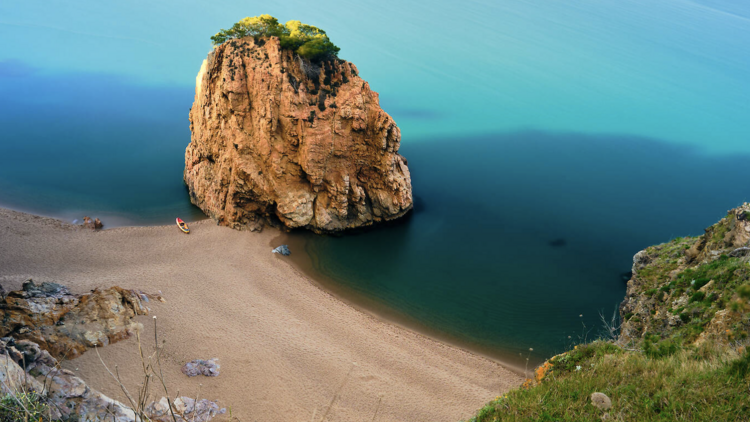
[307, 41]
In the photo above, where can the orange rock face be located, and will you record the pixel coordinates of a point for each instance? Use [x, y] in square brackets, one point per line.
[66, 325]
[282, 141]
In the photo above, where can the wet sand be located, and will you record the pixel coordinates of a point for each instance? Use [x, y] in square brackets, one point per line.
[289, 350]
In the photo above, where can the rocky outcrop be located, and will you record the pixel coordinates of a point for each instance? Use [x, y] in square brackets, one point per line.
[280, 140]
[44, 323]
[66, 325]
[66, 395]
[690, 287]
[731, 235]
[24, 367]
[94, 224]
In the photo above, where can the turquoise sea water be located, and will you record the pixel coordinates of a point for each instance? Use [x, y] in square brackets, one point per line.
[548, 140]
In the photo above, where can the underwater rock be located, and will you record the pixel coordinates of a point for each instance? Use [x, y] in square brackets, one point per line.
[557, 243]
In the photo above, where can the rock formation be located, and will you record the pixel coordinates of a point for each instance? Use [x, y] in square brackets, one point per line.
[43, 322]
[67, 396]
[95, 224]
[280, 140]
[66, 325]
[24, 367]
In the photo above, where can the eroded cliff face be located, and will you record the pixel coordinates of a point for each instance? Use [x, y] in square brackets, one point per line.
[690, 289]
[277, 140]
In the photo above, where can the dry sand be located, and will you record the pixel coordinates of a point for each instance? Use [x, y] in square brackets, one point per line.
[288, 349]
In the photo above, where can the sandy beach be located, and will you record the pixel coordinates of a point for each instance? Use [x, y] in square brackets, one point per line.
[289, 351]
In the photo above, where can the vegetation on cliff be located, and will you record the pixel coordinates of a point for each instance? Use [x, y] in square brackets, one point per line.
[682, 351]
[308, 41]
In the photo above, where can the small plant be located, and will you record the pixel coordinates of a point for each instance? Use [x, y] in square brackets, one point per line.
[740, 368]
[654, 347]
[152, 373]
[722, 228]
[571, 360]
[736, 306]
[744, 291]
[697, 297]
[24, 406]
[611, 327]
[700, 282]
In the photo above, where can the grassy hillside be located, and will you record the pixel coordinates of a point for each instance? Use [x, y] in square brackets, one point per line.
[681, 352]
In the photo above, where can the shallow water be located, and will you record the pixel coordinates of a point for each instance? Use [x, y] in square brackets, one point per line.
[548, 141]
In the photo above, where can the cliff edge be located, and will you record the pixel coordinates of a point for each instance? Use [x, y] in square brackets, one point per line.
[680, 351]
[280, 140]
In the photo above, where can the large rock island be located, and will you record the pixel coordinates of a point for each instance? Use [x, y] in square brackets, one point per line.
[278, 139]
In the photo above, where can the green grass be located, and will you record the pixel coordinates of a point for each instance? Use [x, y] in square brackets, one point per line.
[665, 286]
[23, 406]
[728, 276]
[664, 259]
[721, 228]
[702, 384]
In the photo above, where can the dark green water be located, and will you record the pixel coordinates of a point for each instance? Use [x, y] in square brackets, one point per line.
[520, 241]
[89, 144]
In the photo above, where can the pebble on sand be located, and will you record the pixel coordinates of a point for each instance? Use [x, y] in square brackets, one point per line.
[209, 368]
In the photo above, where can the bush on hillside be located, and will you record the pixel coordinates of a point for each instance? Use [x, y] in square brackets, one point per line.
[306, 40]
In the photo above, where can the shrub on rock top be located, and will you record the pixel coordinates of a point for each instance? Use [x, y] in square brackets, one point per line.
[307, 41]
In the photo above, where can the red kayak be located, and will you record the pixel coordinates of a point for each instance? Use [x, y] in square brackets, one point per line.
[183, 226]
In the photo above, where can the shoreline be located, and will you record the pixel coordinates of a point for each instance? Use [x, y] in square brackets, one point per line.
[284, 341]
[361, 303]
[302, 263]
[113, 220]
